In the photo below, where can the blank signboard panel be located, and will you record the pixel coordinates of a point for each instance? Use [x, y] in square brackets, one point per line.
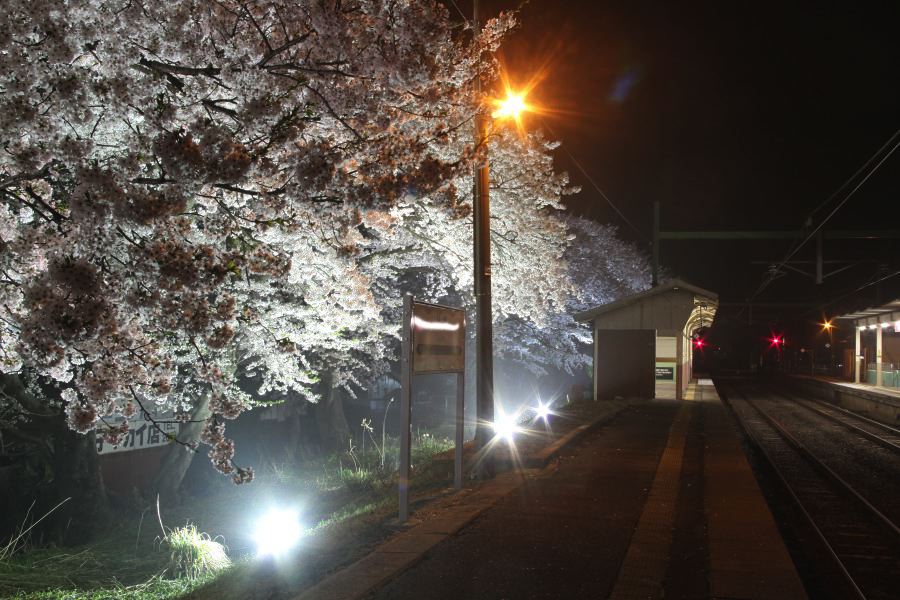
[625, 363]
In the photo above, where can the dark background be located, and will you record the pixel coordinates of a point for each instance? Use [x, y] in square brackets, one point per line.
[733, 116]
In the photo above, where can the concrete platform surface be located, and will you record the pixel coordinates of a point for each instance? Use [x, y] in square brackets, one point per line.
[658, 503]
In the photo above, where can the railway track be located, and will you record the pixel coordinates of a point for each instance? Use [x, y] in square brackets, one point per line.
[883, 435]
[863, 452]
[862, 543]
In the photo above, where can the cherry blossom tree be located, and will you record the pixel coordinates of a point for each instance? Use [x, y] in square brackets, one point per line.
[600, 268]
[199, 194]
[183, 187]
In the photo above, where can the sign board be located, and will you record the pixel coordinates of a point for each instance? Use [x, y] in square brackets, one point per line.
[438, 339]
[665, 372]
[434, 341]
[142, 433]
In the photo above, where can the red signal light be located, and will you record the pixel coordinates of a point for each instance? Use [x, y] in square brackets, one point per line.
[698, 343]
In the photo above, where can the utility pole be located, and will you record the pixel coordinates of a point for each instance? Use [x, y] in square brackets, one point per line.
[484, 346]
[655, 281]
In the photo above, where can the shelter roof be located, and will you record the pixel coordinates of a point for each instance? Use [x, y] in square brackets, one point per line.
[671, 285]
[889, 311]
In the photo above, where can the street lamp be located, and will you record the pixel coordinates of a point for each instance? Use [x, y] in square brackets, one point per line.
[828, 327]
[509, 108]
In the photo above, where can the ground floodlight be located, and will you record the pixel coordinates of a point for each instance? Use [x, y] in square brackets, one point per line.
[506, 426]
[277, 532]
[542, 411]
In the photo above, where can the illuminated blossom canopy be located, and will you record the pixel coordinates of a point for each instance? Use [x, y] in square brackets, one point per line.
[194, 194]
[185, 187]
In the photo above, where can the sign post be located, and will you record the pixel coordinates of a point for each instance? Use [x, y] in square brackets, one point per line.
[405, 408]
[433, 341]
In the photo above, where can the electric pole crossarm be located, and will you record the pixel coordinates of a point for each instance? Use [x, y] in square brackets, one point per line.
[888, 234]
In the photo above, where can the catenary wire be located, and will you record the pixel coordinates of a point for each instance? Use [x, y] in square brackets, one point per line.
[860, 288]
[772, 275]
[594, 184]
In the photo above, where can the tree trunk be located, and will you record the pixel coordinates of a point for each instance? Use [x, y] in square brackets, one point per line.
[177, 459]
[76, 469]
[73, 461]
[334, 433]
[298, 443]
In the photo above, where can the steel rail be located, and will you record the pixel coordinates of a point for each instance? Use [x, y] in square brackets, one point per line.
[805, 403]
[810, 521]
[816, 462]
[849, 413]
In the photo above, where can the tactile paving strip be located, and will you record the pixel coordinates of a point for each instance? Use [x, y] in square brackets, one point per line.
[642, 572]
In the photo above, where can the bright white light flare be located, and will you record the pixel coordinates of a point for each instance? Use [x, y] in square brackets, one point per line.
[542, 411]
[506, 426]
[277, 532]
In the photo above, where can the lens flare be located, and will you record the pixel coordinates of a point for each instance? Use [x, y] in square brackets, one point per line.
[510, 107]
[542, 411]
[277, 532]
[506, 426]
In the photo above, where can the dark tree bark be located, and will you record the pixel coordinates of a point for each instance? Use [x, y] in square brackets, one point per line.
[174, 464]
[298, 447]
[72, 460]
[334, 433]
[77, 476]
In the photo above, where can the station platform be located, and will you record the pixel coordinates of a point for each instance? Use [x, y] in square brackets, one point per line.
[660, 502]
[880, 403]
[725, 523]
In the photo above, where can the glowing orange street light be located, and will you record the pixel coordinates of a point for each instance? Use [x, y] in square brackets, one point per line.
[827, 325]
[510, 107]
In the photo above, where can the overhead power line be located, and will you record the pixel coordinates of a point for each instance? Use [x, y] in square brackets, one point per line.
[860, 288]
[772, 275]
[595, 186]
[461, 13]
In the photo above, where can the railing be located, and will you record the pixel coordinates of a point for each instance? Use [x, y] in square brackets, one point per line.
[890, 374]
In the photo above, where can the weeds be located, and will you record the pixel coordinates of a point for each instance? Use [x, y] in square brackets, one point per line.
[20, 536]
[194, 554]
[375, 469]
[367, 429]
[351, 488]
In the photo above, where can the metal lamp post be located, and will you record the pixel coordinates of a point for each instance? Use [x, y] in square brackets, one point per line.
[511, 107]
[484, 333]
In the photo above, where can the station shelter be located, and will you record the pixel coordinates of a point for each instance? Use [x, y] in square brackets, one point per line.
[876, 359]
[643, 342]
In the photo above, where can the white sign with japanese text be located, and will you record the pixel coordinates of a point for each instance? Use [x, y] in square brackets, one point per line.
[142, 433]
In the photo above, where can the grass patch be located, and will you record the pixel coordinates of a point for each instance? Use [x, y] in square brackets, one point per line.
[345, 501]
[194, 554]
[153, 589]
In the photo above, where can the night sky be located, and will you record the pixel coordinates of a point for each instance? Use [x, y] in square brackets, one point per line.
[732, 115]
